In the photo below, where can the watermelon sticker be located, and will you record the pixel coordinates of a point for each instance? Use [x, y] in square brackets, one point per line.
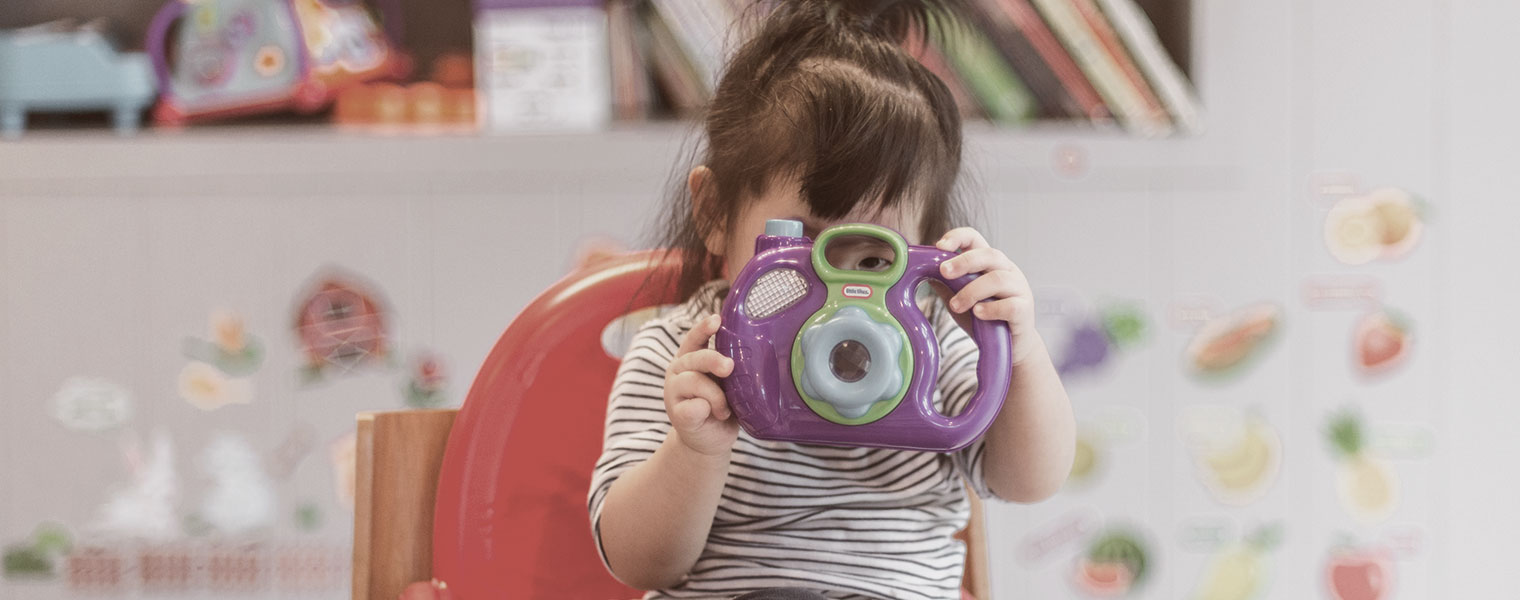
[1115, 564]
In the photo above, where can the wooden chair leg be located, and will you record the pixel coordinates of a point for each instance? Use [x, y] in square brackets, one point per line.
[398, 456]
[977, 578]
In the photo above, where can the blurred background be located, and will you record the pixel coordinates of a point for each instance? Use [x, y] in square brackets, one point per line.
[1271, 245]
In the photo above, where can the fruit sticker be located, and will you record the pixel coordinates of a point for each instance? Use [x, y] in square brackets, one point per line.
[1365, 485]
[1115, 563]
[1353, 573]
[1094, 342]
[1239, 571]
[1099, 431]
[1085, 464]
[1225, 345]
[1084, 337]
[1380, 342]
[1384, 224]
[38, 558]
[230, 349]
[1237, 454]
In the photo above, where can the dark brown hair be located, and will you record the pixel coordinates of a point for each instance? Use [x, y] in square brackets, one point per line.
[825, 92]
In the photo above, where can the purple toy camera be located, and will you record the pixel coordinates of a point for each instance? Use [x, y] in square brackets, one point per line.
[825, 355]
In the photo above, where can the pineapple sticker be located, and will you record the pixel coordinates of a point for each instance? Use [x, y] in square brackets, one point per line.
[1239, 572]
[1364, 483]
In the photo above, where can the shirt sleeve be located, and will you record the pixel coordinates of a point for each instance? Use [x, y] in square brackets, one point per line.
[957, 385]
[636, 423]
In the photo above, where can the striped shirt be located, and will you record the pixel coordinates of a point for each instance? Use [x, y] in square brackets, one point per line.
[847, 522]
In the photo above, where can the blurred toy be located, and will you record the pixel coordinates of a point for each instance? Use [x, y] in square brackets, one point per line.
[230, 57]
[58, 67]
[827, 355]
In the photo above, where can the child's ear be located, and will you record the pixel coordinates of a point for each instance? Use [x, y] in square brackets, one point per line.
[704, 197]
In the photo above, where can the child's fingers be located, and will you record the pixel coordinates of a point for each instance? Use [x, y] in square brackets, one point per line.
[702, 361]
[961, 238]
[696, 339]
[691, 384]
[689, 415]
[979, 260]
[996, 284]
[1005, 309]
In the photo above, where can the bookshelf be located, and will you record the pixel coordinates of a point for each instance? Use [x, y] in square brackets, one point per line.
[1124, 97]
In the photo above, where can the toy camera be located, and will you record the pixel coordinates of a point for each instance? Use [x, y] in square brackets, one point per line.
[832, 356]
[234, 57]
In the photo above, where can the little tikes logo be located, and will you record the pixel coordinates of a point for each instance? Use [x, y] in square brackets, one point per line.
[856, 290]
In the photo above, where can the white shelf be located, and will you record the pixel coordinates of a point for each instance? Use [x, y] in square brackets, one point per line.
[296, 160]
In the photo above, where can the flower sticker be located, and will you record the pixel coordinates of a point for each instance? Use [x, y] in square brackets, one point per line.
[206, 388]
[230, 348]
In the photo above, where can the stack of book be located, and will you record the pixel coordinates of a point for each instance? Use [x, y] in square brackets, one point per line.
[1093, 61]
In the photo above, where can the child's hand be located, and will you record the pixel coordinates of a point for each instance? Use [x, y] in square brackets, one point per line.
[1001, 284]
[695, 403]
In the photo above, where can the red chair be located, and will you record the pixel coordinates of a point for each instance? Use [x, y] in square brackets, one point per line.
[509, 517]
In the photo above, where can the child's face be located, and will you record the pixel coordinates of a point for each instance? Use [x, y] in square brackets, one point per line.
[783, 200]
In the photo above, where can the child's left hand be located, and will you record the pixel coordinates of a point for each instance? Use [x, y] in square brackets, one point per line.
[1003, 286]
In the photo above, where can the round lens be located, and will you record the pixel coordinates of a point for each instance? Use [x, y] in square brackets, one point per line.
[850, 360]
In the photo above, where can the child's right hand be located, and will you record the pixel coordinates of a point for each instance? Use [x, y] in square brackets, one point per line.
[694, 401]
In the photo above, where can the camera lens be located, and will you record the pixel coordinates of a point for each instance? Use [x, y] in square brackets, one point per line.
[850, 360]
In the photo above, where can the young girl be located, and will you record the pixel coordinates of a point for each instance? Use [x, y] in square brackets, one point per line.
[821, 117]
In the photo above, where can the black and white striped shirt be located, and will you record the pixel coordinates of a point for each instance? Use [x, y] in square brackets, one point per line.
[847, 522]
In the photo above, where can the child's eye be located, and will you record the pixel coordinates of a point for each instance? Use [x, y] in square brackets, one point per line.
[873, 263]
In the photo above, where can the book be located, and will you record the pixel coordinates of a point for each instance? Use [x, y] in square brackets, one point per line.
[1101, 70]
[677, 79]
[933, 58]
[1139, 36]
[631, 94]
[1003, 98]
[1026, 24]
[1109, 39]
[699, 28]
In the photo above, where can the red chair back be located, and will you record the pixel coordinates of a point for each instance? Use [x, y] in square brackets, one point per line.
[510, 520]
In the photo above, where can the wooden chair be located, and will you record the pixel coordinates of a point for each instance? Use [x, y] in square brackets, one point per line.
[493, 491]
